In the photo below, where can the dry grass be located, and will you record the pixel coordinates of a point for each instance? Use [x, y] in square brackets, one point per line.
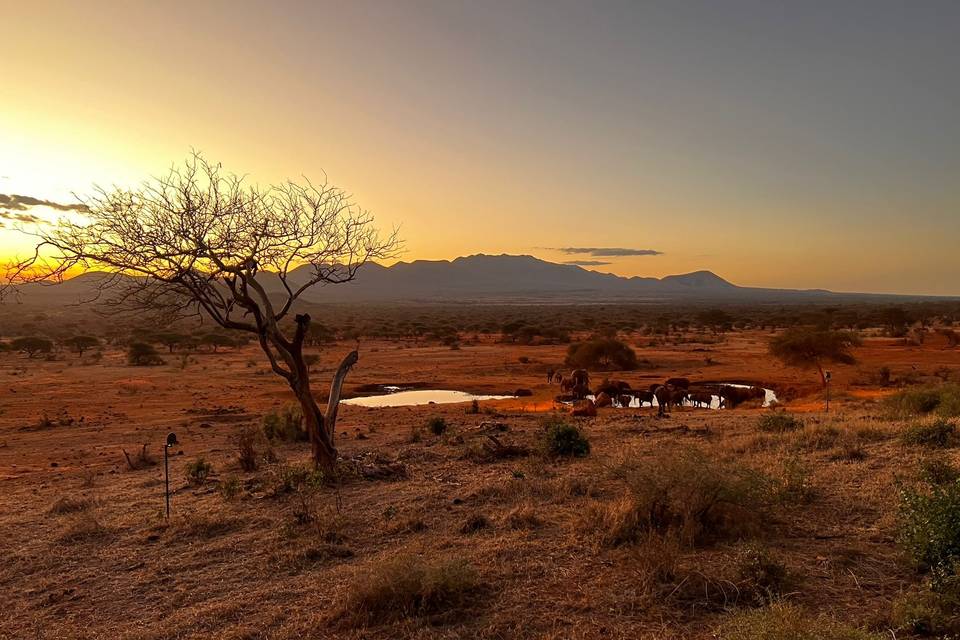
[785, 622]
[684, 493]
[569, 551]
[410, 586]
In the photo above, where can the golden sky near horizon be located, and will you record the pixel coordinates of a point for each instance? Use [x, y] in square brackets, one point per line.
[817, 149]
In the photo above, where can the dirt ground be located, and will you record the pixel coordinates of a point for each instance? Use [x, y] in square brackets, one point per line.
[251, 565]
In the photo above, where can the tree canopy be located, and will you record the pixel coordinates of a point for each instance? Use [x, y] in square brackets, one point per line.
[811, 347]
[202, 242]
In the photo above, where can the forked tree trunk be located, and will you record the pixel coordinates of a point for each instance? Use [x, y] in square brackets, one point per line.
[322, 428]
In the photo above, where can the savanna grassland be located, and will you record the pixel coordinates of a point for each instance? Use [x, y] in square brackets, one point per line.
[505, 519]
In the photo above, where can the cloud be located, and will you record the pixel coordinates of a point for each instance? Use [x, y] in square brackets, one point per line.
[21, 217]
[608, 252]
[13, 202]
[587, 263]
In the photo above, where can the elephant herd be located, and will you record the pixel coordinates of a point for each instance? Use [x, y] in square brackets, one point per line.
[674, 392]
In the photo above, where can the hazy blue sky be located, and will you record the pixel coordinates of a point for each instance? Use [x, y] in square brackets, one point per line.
[801, 144]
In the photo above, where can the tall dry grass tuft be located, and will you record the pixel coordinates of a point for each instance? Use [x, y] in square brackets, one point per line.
[682, 492]
[408, 586]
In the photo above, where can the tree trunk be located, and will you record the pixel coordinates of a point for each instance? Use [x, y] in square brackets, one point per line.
[321, 444]
[320, 427]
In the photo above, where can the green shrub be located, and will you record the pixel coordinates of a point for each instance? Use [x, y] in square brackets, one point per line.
[945, 400]
[231, 488]
[603, 354]
[779, 422]
[198, 471]
[437, 425]
[938, 434]
[787, 622]
[294, 478]
[929, 528]
[562, 439]
[285, 424]
[407, 586]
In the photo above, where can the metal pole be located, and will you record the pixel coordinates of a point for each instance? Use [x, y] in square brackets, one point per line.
[828, 395]
[166, 477]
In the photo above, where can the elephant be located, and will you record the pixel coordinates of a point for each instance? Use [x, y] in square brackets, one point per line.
[644, 396]
[624, 400]
[558, 377]
[701, 398]
[678, 396]
[663, 395]
[613, 388]
[732, 397]
[580, 377]
[549, 376]
[566, 385]
[581, 391]
[681, 383]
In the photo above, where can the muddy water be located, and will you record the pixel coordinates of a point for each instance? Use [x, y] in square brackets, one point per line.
[420, 396]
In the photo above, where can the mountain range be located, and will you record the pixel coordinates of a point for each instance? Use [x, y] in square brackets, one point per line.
[500, 278]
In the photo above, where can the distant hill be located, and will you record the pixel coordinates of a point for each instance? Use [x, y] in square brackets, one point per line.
[503, 278]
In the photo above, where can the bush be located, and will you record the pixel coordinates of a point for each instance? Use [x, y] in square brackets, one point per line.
[765, 577]
[795, 485]
[787, 622]
[779, 422]
[231, 488]
[939, 434]
[247, 448]
[407, 586]
[603, 354]
[561, 439]
[929, 529]
[285, 424]
[945, 400]
[926, 612]
[293, 479]
[198, 471]
[938, 471]
[437, 425]
[141, 354]
[69, 504]
[686, 494]
[32, 346]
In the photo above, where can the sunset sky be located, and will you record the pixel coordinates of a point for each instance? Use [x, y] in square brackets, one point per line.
[801, 144]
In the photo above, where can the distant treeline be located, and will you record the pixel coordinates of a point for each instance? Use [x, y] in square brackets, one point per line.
[520, 324]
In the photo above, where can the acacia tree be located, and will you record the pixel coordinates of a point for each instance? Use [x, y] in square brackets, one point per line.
[82, 343]
[808, 347]
[199, 241]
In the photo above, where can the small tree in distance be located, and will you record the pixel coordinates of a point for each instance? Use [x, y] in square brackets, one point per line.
[201, 242]
[32, 346]
[142, 354]
[809, 347]
[79, 344]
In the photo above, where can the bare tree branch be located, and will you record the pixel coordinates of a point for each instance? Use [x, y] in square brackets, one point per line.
[198, 241]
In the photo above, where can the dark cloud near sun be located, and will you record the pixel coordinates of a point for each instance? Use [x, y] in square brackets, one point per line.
[21, 217]
[13, 202]
[587, 263]
[608, 252]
